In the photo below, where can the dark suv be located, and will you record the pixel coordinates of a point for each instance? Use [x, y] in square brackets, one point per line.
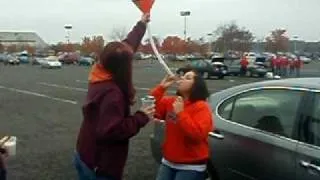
[205, 68]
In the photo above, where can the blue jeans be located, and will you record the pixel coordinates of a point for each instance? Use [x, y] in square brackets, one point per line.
[167, 173]
[3, 174]
[85, 173]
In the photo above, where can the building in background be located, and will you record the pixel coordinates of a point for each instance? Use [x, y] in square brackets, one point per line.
[22, 39]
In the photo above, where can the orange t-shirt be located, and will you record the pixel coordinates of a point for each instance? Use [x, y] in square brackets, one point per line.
[186, 133]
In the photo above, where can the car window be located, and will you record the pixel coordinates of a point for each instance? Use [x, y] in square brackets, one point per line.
[268, 110]
[311, 125]
[225, 108]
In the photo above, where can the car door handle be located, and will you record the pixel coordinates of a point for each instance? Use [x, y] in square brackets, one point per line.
[216, 135]
[309, 165]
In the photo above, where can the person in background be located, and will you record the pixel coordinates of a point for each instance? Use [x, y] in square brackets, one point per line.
[284, 65]
[291, 66]
[278, 65]
[188, 121]
[298, 66]
[244, 66]
[103, 140]
[3, 156]
[273, 64]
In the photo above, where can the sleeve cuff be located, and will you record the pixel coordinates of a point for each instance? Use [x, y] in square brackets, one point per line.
[142, 24]
[144, 119]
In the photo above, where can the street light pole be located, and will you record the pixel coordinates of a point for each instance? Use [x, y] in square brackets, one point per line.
[68, 28]
[185, 14]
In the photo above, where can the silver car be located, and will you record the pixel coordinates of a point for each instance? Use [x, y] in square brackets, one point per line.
[264, 131]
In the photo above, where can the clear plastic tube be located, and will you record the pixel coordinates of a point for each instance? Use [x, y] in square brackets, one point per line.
[156, 52]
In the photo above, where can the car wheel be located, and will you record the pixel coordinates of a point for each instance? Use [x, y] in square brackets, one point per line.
[205, 75]
[221, 77]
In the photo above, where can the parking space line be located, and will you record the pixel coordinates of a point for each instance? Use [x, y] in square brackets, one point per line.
[82, 82]
[63, 86]
[38, 95]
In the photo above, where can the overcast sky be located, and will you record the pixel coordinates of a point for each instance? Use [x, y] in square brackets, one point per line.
[99, 17]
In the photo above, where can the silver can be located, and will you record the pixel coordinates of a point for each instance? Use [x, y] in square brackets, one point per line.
[148, 101]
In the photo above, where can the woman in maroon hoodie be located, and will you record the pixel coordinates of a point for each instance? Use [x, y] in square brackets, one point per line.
[3, 155]
[103, 140]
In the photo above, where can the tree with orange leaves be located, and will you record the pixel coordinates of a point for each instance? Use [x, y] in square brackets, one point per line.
[30, 49]
[174, 45]
[92, 45]
[12, 48]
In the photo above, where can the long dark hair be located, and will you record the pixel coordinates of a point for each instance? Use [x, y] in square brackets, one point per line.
[199, 90]
[116, 58]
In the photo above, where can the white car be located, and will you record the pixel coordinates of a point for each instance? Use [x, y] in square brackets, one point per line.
[305, 60]
[51, 62]
[12, 60]
[251, 57]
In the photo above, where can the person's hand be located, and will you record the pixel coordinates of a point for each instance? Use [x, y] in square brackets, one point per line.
[168, 81]
[148, 110]
[178, 105]
[145, 18]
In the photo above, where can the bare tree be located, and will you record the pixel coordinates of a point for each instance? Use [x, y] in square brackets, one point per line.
[277, 41]
[232, 37]
[118, 34]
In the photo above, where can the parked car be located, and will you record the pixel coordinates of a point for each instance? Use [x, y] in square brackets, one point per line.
[264, 131]
[69, 58]
[12, 60]
[257, 69]
[37, 60]
[24, 58]
[205, 68]
[305, 59]
[51, 62]
[86, 61]
[3, 57]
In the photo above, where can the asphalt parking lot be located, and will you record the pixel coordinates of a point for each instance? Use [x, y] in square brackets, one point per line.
[42, 108]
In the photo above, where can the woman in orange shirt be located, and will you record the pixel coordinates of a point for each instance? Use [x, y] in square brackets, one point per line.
[188, 121]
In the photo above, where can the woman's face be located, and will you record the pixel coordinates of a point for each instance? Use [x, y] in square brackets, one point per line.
[186, 82]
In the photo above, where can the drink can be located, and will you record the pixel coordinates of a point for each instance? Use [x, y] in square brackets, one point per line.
[148, 101]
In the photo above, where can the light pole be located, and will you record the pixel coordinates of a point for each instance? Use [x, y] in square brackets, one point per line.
[185, 14]
[68, 28]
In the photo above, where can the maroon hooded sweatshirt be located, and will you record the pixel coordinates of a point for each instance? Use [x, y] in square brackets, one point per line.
[104, 135]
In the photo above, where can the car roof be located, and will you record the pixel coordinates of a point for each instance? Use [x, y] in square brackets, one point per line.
[311, 83]
[308, 83]
[304, 83]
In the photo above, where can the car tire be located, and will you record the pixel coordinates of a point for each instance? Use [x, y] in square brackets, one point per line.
[220, 77]
[205, 75]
